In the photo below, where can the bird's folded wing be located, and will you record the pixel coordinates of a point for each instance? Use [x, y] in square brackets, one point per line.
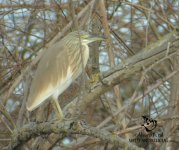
[50, 76]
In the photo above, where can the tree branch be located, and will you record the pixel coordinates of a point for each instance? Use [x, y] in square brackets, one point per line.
[21, 136]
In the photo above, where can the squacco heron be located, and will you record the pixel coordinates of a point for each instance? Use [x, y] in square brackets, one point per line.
[58, 68]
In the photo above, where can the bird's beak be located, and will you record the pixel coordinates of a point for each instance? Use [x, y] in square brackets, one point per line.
[96, 38]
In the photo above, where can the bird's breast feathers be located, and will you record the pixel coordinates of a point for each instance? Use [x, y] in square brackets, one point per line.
[63, 84]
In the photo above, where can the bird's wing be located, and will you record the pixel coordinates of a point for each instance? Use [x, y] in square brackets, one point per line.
[51, 72]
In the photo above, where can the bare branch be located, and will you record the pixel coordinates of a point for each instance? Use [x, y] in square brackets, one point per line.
[64, 128]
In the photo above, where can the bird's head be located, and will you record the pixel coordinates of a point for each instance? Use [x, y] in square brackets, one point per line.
[85, 37]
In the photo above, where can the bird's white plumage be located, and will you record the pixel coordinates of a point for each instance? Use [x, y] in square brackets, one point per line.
[86, 55]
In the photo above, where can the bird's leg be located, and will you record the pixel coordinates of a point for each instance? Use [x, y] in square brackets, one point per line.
[58, 110]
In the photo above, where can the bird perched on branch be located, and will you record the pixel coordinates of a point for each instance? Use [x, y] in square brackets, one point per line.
[58, 68]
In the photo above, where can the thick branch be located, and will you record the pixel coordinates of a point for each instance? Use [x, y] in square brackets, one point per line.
[19, 137]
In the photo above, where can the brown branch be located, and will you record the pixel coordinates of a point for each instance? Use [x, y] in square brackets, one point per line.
[133, 101]
[32, 130]
[7, 115]
[28, 6]
[109, 47]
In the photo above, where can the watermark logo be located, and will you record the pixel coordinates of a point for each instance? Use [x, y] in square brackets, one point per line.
[149, 123]
[149, 134]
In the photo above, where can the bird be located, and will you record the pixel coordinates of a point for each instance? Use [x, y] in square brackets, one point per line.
[59, 66]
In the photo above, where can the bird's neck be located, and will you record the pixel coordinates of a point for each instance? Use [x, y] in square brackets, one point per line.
[85, 54]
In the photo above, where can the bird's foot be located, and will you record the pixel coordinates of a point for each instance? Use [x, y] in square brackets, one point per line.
[95, 78]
